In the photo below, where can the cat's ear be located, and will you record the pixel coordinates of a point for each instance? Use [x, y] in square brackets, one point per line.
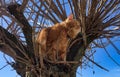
[70, 17]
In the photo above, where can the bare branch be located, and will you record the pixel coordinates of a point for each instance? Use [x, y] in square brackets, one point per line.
[118, 51]
[111, 56]
[97, 64]
[27, 29]
[22, 7]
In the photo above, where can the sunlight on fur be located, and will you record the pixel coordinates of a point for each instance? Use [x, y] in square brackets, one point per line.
[53, 41]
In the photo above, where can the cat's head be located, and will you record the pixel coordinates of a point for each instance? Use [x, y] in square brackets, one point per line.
[73, 26]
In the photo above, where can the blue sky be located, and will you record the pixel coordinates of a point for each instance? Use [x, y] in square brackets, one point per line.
[102, 58]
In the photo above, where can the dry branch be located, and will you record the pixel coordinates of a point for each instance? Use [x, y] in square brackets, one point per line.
[27, 29]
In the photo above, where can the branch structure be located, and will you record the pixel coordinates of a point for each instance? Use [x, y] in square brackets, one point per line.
[14, 9]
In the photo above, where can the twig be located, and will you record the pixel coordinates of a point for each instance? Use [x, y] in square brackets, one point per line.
[110, 55]
[4, 66]
[118, 51]
[22, 7]
[96, 64]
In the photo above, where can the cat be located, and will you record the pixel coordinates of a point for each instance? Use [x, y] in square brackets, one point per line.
[53, 41]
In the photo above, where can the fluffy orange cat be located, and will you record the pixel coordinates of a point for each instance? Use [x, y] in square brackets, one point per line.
[54, 40]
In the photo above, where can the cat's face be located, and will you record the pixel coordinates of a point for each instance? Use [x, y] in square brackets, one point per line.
[76, 27]
[73, 27]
